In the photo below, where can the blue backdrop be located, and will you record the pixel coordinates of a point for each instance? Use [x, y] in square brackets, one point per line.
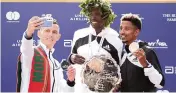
[159, 24]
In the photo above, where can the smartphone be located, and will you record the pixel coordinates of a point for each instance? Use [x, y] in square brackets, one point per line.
[48, 21]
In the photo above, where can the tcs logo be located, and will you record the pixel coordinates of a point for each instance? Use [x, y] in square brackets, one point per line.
[12, 15]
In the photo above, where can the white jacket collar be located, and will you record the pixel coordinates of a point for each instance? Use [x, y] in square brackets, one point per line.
[102, 33]
[46, 49]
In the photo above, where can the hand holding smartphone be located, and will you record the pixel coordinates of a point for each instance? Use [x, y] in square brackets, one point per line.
[47, 20]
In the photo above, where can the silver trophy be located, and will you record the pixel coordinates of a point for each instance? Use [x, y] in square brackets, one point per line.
[101, 74]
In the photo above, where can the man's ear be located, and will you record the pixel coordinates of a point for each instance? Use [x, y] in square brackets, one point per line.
[58, 36]
[137, 32]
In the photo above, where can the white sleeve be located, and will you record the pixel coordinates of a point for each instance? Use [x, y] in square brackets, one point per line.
[62, 84]
[64, 87]
[119, 46]
[154, 76]
[27, 51]
[75, 38]
[80, 33]
[117, 43]
[82, 88]
[74, 41]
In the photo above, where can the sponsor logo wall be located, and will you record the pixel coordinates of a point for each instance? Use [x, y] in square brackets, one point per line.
[158, 31]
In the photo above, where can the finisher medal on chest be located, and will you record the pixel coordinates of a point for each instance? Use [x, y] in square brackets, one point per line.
[133, 47]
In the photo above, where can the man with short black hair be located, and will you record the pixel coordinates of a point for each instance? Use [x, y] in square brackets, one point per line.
[140, 68]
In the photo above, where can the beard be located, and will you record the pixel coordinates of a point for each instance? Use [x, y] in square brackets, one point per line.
[123, 39]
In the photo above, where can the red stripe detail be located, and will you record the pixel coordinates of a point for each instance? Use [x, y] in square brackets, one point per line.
[40, 86]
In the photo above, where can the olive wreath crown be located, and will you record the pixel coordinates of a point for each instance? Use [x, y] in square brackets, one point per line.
[105, 7]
